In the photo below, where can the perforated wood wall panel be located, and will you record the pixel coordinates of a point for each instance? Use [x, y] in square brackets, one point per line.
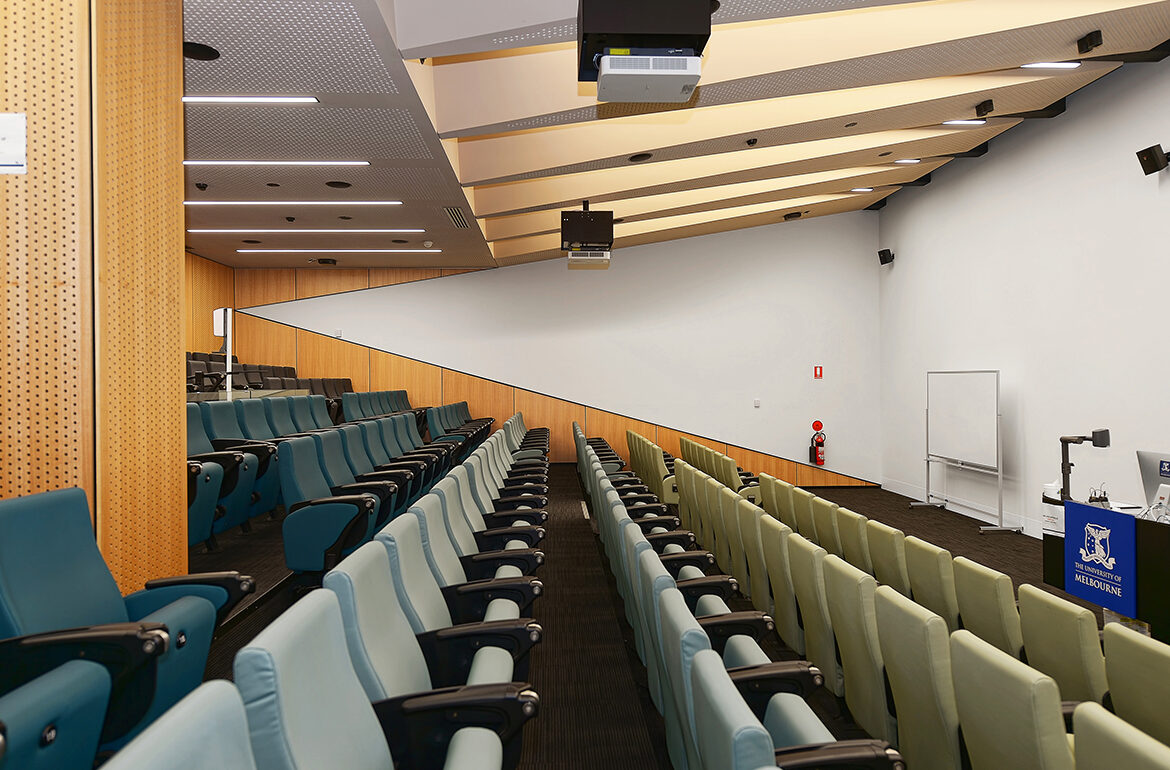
[258, 341]
[46, 376]
[209, 285]
[139, 275]
[321, 356]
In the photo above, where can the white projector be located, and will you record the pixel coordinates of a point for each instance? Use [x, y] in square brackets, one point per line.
[648, 78]
[588, 260]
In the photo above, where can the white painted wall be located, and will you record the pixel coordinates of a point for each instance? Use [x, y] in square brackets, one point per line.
[685, 334]
[1046, 259]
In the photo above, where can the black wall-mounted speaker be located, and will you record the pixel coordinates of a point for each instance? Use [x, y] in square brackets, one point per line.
[1153, 159]
[885, 256]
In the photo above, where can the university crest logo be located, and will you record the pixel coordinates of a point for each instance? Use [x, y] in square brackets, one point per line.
[1097, 546]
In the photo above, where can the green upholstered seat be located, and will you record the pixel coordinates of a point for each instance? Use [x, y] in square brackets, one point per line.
[987, 606]
[932, 579]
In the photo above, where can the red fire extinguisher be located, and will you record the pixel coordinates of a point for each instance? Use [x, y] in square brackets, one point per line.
[816, 449]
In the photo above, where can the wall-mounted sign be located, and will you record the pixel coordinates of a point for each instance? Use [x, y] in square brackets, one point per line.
[1100, 557]
[13, 143]
[818, 372]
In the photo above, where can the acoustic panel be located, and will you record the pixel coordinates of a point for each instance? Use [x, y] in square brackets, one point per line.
[209, 285]
[138, 286]
[423, 383]
[46, 380]
[485, 398]
[541, 411]
[321, 356]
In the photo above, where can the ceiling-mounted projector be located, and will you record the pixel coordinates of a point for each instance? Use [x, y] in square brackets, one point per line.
[588, 260]
[645, 51]
[586, 230]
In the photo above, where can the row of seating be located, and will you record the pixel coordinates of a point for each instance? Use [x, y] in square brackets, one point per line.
[719, 466]
[81, 665]
[371, 671]
[207, 373]
[725, 704]
[867, 638]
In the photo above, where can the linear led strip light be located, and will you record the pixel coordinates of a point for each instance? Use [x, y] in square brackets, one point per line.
[249, 231]
[292, 203]
[250, 100]
[339, 251]
[276, 163]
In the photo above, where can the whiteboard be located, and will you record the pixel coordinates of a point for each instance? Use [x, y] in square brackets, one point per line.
[962, 417]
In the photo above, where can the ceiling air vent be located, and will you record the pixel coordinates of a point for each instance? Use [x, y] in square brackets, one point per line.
[457, 218]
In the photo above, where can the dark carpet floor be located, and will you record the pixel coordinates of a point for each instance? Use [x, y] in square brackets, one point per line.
[1012, 553]
[259, 553]
[595, 707]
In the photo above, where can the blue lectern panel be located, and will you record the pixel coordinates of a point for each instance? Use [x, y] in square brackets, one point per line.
[1100, 563]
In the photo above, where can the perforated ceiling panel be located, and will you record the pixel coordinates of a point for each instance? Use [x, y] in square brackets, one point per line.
[732, 11]
[297, 132]
[253, 182]
[283, 46]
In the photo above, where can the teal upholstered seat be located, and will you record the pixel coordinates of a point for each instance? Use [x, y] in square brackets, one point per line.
[70, 700]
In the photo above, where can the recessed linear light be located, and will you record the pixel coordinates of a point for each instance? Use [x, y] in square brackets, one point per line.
[339, 251]
[300, 230]
[966, 122]
[862, 190]
[1051, 65]
[276, 163]
[250, 100]
[908, 161]
[292, 203]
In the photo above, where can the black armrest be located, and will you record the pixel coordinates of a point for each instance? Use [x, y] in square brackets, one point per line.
[723, 586]
[638, 511]
[383, 488]
[674, 562]
[632, 498]
[237, 586]
[450, 651]
[659, 540]
[862, 754]
[399, 478]
[419, 727]
[482, 566]
[404, 464]
[231, 463]
[497, 539]
[355, 529]
[129, 651]
[532, 516]
[720, 628]
[757, 684]
[648, 523]
[523, 488]
[261, 450]
[511, 503]
[468, 601]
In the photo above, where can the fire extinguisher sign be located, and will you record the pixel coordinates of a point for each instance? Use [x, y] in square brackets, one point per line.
[818, 372]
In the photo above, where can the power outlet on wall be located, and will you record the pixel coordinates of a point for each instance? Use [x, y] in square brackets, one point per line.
[756, 403]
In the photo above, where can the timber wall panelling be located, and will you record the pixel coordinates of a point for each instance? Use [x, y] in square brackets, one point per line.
[209, 285]
[422, 382]
[558, 416]
[46, 381]
[139, 275]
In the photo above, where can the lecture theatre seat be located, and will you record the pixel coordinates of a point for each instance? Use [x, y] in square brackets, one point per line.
[1062, 641]
[222, 427]
[54, 528]
[306, 707]
[204, 481]
[413, 472]
[67, 703]
[391, 486]
[239, 473]
[320, 527]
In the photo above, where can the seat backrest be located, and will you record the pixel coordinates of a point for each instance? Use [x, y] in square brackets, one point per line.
[987, 606]
[1009, 712]
[52, 575]
[1061, 640]
[319, 406]
[806, 525]
[372, 441]
[887, 549]
[354, 446]
[301, 414]
[825, 519]
[728, 503]
[439, 549]
[467, 504]
[201, 356]
[728, 734]
[418, 591]
[301, 477]
[653, 579]
[351, 408]
[305, 705]
[682, 638]
[774, 536]
[932, 579]
[70, 701]
[197, 440]
[854, 542]
[302, 383]
[916, 652]
[719, 544]
[219, 419]
[850, 597]
[768, 495]
[252, 418]
[1138, 671]
[1104, 742]
[382, 646]
[806, 560]
[317, 386]
[206, 730]
[458, 527]
[279, 416]
[288, 383]
[332, 456]
[749, 533]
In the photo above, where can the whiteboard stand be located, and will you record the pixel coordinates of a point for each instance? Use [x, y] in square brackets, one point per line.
[940, 501]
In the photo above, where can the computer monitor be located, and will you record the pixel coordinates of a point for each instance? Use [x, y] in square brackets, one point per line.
[1155, 469]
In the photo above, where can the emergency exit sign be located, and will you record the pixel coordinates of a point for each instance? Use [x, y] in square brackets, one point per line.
[818, 372]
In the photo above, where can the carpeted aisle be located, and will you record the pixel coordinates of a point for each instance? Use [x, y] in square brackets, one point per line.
[593, 706]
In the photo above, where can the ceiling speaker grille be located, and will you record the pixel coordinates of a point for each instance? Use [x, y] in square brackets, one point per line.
[457, 218]
[283, 46]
